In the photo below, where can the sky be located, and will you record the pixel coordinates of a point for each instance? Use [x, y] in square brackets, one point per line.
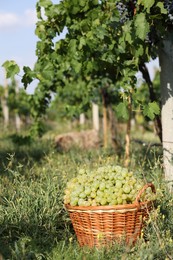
[17, 35]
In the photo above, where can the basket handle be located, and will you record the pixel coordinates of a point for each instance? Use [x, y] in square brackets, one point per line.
[146, 186]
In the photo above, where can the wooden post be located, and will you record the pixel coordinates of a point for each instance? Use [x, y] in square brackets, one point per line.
[82, 119]
[17, 117]
[4, 103]
[127, 138]
[105, 123]
[95, 116]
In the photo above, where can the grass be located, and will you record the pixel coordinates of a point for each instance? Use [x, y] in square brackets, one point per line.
[33, 221]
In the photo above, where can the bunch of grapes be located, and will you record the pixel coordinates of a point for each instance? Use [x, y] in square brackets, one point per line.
[107, 185]
[168, 4]
[126, 10]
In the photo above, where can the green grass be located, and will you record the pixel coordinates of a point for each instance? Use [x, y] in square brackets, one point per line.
[33, 221]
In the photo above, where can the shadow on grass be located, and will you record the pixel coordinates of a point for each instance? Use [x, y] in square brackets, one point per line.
[25, 240]
[16, 150]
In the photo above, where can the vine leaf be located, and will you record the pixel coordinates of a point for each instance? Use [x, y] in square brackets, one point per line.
[147, 4]
[142, 26]
[11, 68]
[151, 110]
[28, 76]
[45, 3]
[122, 110]
[162, 9]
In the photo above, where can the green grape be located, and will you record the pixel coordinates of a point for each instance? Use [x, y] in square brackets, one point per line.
[124, 196]
[119, 177]
[82, 195]
[81, 179]
[86, 203]
[126, 189]
[93, 194]
[109, 198]
[118, 184]
[111, 176]
[103, 201]
[130, 174]
[66, 199]
[99, 199]
[133, 181]
[74, 202]
[124, 172]
[138, 187]
[78, 188]
[119, 192]
[119, 200]
[109, 184]
[129, 197]
[102, 186]
[67, 191]
[73, 194]
[81, 202]
[93, 203]
[87, 191]
[118, 168]
[95, 185]
[113, 202]
[133, 192]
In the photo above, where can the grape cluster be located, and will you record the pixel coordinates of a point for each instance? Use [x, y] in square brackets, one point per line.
[107, 185]
[126, 10]
[123, 12]
[168, 4]
[152, 37]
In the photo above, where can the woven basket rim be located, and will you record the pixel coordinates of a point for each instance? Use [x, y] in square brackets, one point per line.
[124, 207]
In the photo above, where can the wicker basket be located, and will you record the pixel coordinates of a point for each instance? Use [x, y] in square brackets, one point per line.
[105, 225]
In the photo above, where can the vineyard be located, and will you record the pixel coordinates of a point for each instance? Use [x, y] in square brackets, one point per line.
[34, 223]
[91, 135]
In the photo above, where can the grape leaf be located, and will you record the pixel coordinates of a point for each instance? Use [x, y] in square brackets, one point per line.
[82, 3]
[139, 51]
[82, 42]
[127, 32]
[122, 110]
[151, 110]
[45, 3]
[142, 26]
[11, 68]
[162, 9]
[147, 4]
[28, 76]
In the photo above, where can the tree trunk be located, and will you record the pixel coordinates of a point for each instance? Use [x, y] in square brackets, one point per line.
[166, 76]
[113, 128]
